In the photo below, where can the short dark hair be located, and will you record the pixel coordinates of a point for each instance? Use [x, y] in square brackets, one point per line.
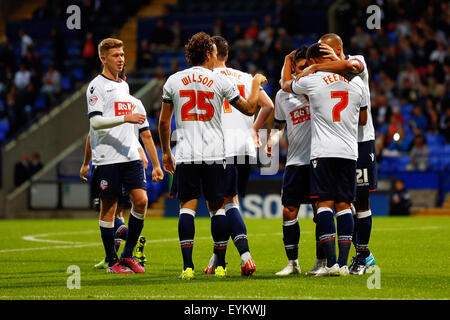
[222, 46]
[197, 47]
[300, 53]
[314, 51]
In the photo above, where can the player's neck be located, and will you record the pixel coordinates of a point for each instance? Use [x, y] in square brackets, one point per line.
[108, 74]
[220, 64]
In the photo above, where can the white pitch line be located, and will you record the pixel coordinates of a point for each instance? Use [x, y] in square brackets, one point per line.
[73, 244]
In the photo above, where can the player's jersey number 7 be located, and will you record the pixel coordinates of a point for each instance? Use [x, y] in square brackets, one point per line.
[199, 99]
[341, 105]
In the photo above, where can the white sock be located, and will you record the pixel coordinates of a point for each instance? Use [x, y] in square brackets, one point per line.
[245, 257]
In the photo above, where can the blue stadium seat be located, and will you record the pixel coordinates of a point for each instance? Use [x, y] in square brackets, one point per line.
[40, 102]
[434, 139]
[4, 129]
[78, 73]
[66, 83]
[435, 149]
[447, 149]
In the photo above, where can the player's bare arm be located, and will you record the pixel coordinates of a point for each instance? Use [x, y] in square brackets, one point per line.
[286, 73]
[157, 173]
[143, 157]
[336, 66]
[164, 136]
[266, 110]
[362, 117]
[249, 106]
[275, 136]
[87, 158]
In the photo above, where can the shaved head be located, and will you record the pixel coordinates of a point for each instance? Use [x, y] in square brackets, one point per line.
[334, 41]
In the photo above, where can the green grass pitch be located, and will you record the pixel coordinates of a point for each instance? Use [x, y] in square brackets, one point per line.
[412, 255]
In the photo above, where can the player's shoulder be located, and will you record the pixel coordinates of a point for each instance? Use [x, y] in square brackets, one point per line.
[281, 94]
[356, 57]
[358, 84]
[95, 84]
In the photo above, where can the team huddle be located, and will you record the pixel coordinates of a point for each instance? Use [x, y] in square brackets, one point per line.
[324, 104]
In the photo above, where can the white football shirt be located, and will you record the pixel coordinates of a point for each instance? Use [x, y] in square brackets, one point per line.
[294, 110]
[197, 94]
[237, 127]
[335, 104]
[110, 98]
[366, 132]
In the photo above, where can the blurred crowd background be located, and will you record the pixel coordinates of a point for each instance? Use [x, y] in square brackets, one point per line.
[42, 63]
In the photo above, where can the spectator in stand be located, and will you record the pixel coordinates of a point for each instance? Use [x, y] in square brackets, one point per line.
[89, 54]
[22, 78]
[444, 124]
[161, 37]
[219, 28]
[146, 59]
[33, 63]
[418, 119]
[25, 42]
[51, 85]
[22, 170]
[59, 49]
[251, 33]
[35, 164]
[179, 34]
[419, 154]
[400, 199]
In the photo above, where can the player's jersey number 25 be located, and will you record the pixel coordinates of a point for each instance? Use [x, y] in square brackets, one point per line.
[199, 99]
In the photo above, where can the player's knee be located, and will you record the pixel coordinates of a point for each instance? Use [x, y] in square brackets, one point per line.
[140, 203]
[290, 213]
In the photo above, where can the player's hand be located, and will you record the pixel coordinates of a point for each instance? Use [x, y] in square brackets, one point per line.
[137, 118]
[157, 174]
[168, 163]
[143, 158]
[84, 171]
[305, 72]
[268, 149]
[260, 78]
[329, 52]
[256, 139]
[291, 55]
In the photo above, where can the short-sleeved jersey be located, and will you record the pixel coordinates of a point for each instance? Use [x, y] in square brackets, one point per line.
[237, 126]
[197, 95]
[110, 98]
[335, 103]
[366, 132]
[294, 110]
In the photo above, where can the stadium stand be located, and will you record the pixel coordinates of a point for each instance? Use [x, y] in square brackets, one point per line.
[408, 59]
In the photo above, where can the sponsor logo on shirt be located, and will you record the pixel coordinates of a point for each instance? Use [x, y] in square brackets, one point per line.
[123, 108]
[300, 115]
